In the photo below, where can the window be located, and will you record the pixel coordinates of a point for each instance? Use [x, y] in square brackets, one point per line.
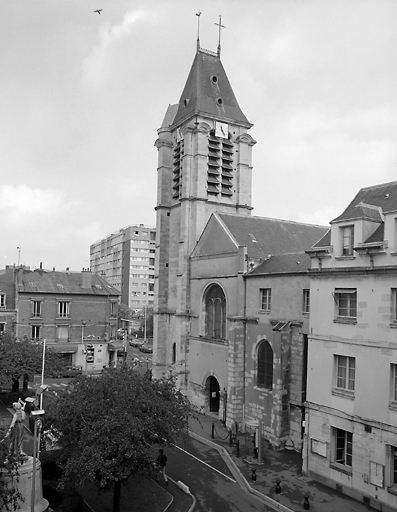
[173, 353]
[215, 313]
[394, 305]
[63, 333]
[2, 328]
[345, 370]
[113, 309]
[36, 308]
[347, 240]
[63, 309]
[343, 446]
[306, 302]
[393, 465]
[393, 387]
[35, 332]
[346, 302]
[265, 299]
[265, 365]
[2, 300]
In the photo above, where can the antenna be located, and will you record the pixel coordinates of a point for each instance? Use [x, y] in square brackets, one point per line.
[220, 26]
[198, 14]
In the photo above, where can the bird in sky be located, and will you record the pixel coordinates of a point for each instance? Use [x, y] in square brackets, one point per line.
[98, 11]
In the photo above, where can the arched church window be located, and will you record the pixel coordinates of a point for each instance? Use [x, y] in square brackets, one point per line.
[265, 365]
[215, 313]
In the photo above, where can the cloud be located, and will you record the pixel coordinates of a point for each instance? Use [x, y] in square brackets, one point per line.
[21, 205]
[98, 65]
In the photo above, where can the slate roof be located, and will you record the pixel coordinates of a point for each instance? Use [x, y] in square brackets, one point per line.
[325, 241]
[202, 93]
[283, 263]
[263, 236]
[383, 196]
[378, 235]
[46, 281]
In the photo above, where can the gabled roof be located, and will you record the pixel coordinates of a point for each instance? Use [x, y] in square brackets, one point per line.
[283, 264]
[45, 281]
[208, 92]
[263, 236]
[382, 196]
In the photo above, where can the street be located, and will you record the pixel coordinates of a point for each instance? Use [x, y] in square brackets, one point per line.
[203, 470]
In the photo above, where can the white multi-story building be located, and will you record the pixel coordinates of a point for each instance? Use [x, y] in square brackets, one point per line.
[351, 411]
[126, 258]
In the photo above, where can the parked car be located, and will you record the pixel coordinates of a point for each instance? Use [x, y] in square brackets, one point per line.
[147, 349]
[136, 342]
[71, 371]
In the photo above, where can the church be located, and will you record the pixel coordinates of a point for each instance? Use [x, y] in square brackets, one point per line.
[231, 289]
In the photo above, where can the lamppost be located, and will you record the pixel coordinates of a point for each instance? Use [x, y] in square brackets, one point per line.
[35, 416]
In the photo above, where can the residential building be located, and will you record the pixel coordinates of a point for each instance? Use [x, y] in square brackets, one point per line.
[127, 259]
[74, 312]
[351, 409]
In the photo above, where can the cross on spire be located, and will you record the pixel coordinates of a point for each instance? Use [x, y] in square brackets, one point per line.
[220, 27]
[198, 14]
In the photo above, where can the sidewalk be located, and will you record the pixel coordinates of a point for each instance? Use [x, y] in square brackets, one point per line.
[284, 465]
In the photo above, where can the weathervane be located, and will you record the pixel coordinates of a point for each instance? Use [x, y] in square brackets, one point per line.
[220, 26]
[198, 14]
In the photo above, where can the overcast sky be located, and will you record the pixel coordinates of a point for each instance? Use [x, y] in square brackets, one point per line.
[82, 96]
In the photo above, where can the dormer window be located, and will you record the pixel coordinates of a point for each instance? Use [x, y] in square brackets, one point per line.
[347, 240]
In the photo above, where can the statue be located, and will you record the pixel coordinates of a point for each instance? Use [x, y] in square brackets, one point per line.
[17, 429]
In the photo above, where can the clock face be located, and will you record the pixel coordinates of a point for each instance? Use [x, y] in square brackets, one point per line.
[221, 130]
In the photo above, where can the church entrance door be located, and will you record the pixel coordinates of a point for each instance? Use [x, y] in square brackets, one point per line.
[214, 394]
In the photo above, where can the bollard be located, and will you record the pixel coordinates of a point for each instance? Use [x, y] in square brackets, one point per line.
[306, 503]
[278, 486]
[237, 448]
[253, 475]
[213, 431]
[230, 438]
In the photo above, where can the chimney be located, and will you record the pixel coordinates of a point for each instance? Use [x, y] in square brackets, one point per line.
[86, 279]
[41, 265]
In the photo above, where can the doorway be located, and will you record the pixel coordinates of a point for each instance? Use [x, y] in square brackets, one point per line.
[213, 389]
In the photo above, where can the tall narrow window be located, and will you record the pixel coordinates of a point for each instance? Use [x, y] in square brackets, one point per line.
[345, 373]
[63, 309]
[173, 353]
[347, 240]
[113, 309]
[36, 308]
[35, 332]
[265, 297]
[220, 165]
[393, 381]
[306, 302]
[265, 365]
[215, 313]
[394, 304]
[2, 300]
[343, 446]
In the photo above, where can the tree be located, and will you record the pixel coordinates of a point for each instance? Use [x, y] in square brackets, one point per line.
[109, 423]
[10, 497]
[20, 358]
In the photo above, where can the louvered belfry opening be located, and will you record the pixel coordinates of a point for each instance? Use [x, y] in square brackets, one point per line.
[220, 166]
[177, 169]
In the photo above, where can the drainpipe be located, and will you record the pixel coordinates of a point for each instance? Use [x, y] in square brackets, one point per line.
[244, 345]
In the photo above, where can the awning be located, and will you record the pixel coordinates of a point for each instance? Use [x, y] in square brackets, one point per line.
[63, 348]
[116, 345]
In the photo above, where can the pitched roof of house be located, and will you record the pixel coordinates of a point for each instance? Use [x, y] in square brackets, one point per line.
[46, 281]
[283, 264]
[263, 236]
[208, 91]
[383, 196]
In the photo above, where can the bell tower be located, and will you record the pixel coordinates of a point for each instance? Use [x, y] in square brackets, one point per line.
[204, 166]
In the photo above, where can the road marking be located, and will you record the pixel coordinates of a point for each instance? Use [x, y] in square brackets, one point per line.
[217, 470]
